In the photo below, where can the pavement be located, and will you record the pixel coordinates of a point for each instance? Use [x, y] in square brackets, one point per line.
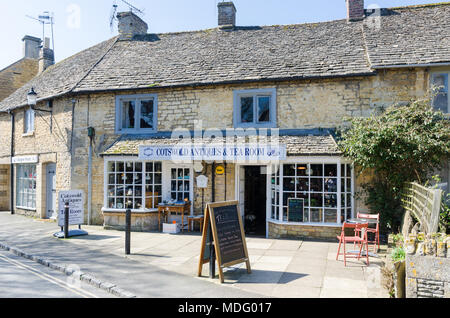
[165, 265]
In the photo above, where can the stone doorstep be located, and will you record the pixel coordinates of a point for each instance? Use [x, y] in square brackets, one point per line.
[87, 278]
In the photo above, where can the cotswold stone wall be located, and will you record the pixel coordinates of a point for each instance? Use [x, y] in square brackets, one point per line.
[50, 146]
[300, 104]
[328, 233]
[427, 276]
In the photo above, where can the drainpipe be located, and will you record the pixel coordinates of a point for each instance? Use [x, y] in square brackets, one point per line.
[12, 165]
[213, 183]
[91, 135]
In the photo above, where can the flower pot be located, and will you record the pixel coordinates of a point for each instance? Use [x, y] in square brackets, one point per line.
[410, 246]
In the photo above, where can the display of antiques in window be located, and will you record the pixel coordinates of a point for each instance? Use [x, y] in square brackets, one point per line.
[134, 182]
[313, 188]
[180, 182]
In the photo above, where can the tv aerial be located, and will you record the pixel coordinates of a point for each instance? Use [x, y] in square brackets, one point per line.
[114, 9]
[46, 18]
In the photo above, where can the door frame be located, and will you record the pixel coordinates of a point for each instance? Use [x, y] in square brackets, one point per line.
[166, 184]
[239, 170]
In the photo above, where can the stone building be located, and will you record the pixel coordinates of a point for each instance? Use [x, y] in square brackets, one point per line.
[114, 110]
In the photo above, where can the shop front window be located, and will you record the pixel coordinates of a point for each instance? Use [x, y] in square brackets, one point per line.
[26, 186]
[133, 182]
[180, 182]
[317, 185]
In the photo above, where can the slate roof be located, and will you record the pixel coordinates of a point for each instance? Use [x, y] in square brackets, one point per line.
[408, 35]
[320, 144]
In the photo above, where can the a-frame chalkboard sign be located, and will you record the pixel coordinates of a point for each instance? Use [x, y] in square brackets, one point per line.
[227, 234]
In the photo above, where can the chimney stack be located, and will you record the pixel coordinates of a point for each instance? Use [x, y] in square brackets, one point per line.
[130, 25]
[227, 15]
[355, 10]
[31, 47]
[46, 56]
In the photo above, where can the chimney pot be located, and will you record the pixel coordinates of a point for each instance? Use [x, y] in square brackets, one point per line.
[31, 46]
[227, 14]
[130, 25]
[355, 10]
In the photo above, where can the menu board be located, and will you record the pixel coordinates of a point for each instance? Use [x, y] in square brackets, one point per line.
[295, 209]
[228, 236]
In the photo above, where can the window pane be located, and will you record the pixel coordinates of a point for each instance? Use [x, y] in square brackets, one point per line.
[263, 109]
[317, 170]
[440, 83]
[330, 216]
[289, 170]
[147, 114]
[128, 114]
[331, 184]
[247, 109]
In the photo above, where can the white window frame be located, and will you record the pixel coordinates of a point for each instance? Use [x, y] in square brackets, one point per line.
[255, 93]
[20, 180]
[314, 160]
[28, 121]
[137, 99]
[432, 75]
[143, 194]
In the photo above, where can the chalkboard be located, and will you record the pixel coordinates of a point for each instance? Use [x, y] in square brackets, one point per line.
[228, 236]
[295, 209]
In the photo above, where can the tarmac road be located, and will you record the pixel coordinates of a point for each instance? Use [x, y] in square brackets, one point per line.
[22, 278]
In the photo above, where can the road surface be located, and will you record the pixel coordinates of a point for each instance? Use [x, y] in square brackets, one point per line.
[23, 278]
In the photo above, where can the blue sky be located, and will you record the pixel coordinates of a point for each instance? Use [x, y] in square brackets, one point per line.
[84, 23]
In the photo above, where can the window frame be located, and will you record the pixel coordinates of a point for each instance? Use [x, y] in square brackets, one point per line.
[432, 75]
[143, 185]
[255, 93]
[349, 193]
[137, 99]
[21, 191]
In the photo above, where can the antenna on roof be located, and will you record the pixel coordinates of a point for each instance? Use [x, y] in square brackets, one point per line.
[46, 18]
[114, 10]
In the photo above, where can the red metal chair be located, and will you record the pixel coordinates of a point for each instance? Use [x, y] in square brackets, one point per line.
[356, 238]
[375, 231]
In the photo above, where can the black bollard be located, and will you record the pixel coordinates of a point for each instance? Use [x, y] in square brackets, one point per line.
[212, 256]
[128, 231]
[66, 220]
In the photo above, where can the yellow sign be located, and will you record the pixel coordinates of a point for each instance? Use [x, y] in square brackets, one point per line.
[220, 170]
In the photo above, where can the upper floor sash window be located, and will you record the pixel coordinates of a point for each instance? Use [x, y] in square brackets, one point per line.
[441, 100]
[136, 114]
[255, 108]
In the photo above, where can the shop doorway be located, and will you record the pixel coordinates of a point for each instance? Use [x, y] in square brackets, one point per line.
[255, 197]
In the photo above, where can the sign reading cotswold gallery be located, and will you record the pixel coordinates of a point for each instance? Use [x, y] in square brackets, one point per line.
[235, 153]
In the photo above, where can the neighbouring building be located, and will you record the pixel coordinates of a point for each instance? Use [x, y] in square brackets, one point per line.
[13, 77]
[289, 84]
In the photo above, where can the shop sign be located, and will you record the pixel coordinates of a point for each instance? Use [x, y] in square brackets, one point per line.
[235, 153]
[202, 182]
[76, 207]
[25, 159]
[220, 170]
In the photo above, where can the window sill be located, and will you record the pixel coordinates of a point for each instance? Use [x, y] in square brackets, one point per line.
[25, 208]
[305, 223]
[108, 210]
[30, 134]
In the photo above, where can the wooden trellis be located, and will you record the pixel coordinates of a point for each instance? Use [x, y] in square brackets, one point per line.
[424, 205]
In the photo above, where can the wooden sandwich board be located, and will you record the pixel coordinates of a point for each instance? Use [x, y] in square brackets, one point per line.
[227, 234]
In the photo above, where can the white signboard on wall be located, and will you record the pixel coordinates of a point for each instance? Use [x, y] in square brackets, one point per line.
[76, 207]
[25, 159]
[236, 153]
